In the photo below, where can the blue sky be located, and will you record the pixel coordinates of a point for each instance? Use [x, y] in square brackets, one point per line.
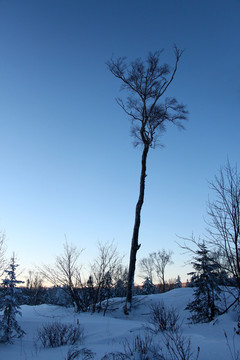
[67, 161]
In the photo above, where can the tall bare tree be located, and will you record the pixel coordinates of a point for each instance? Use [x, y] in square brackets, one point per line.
[146, 83]
[224, 219]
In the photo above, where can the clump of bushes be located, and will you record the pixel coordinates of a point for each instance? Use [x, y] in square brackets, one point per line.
[58, 334]
[79, 354]
[163, 318]
[141, 348]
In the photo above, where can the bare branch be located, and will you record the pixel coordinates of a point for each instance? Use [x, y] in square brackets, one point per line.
[147, 82]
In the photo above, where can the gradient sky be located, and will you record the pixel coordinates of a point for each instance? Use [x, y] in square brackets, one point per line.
[67, 161]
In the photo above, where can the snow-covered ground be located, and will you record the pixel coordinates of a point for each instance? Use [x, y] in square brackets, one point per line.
[105, 334]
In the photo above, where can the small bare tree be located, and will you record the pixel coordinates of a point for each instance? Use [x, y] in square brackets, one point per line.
[146, 82]
[224, 219]
[104, 268]
[34, 280]
[2, 252]
[147, 267]
[160, 260]
[66, 273]
[35, 289]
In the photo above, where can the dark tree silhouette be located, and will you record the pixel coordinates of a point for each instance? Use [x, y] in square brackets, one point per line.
[224, 220]
[146, 82]
[206, 281]
[10, 302]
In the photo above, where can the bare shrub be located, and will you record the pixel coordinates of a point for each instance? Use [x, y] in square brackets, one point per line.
[142, 348]
[176, 346]
[115, 356]
[163, 318]
[79, 354]
[59, 334]
[234, 353]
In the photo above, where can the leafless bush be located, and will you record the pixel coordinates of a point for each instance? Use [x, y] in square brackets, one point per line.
[235, 354]
[79, 354]
[177, 347]
[58, 334]
[115, 356]
[163, 318]
[142, 348]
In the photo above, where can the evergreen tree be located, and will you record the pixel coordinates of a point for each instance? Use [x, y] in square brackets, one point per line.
[120, 280]
[207, 290]
[120, 289]
[90, 291]
[10, 299]
[178, 283]
[190, 283]
[106, 291]
[148, 287]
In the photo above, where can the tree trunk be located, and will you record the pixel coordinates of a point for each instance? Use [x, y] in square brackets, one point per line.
[135, 246]
[164, 285]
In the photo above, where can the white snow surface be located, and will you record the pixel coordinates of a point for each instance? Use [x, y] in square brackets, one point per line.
[105, 334]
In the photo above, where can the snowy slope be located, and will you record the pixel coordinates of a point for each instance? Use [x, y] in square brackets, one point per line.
[105, 334]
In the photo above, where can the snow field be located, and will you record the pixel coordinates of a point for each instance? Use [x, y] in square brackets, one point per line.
[104, 334]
